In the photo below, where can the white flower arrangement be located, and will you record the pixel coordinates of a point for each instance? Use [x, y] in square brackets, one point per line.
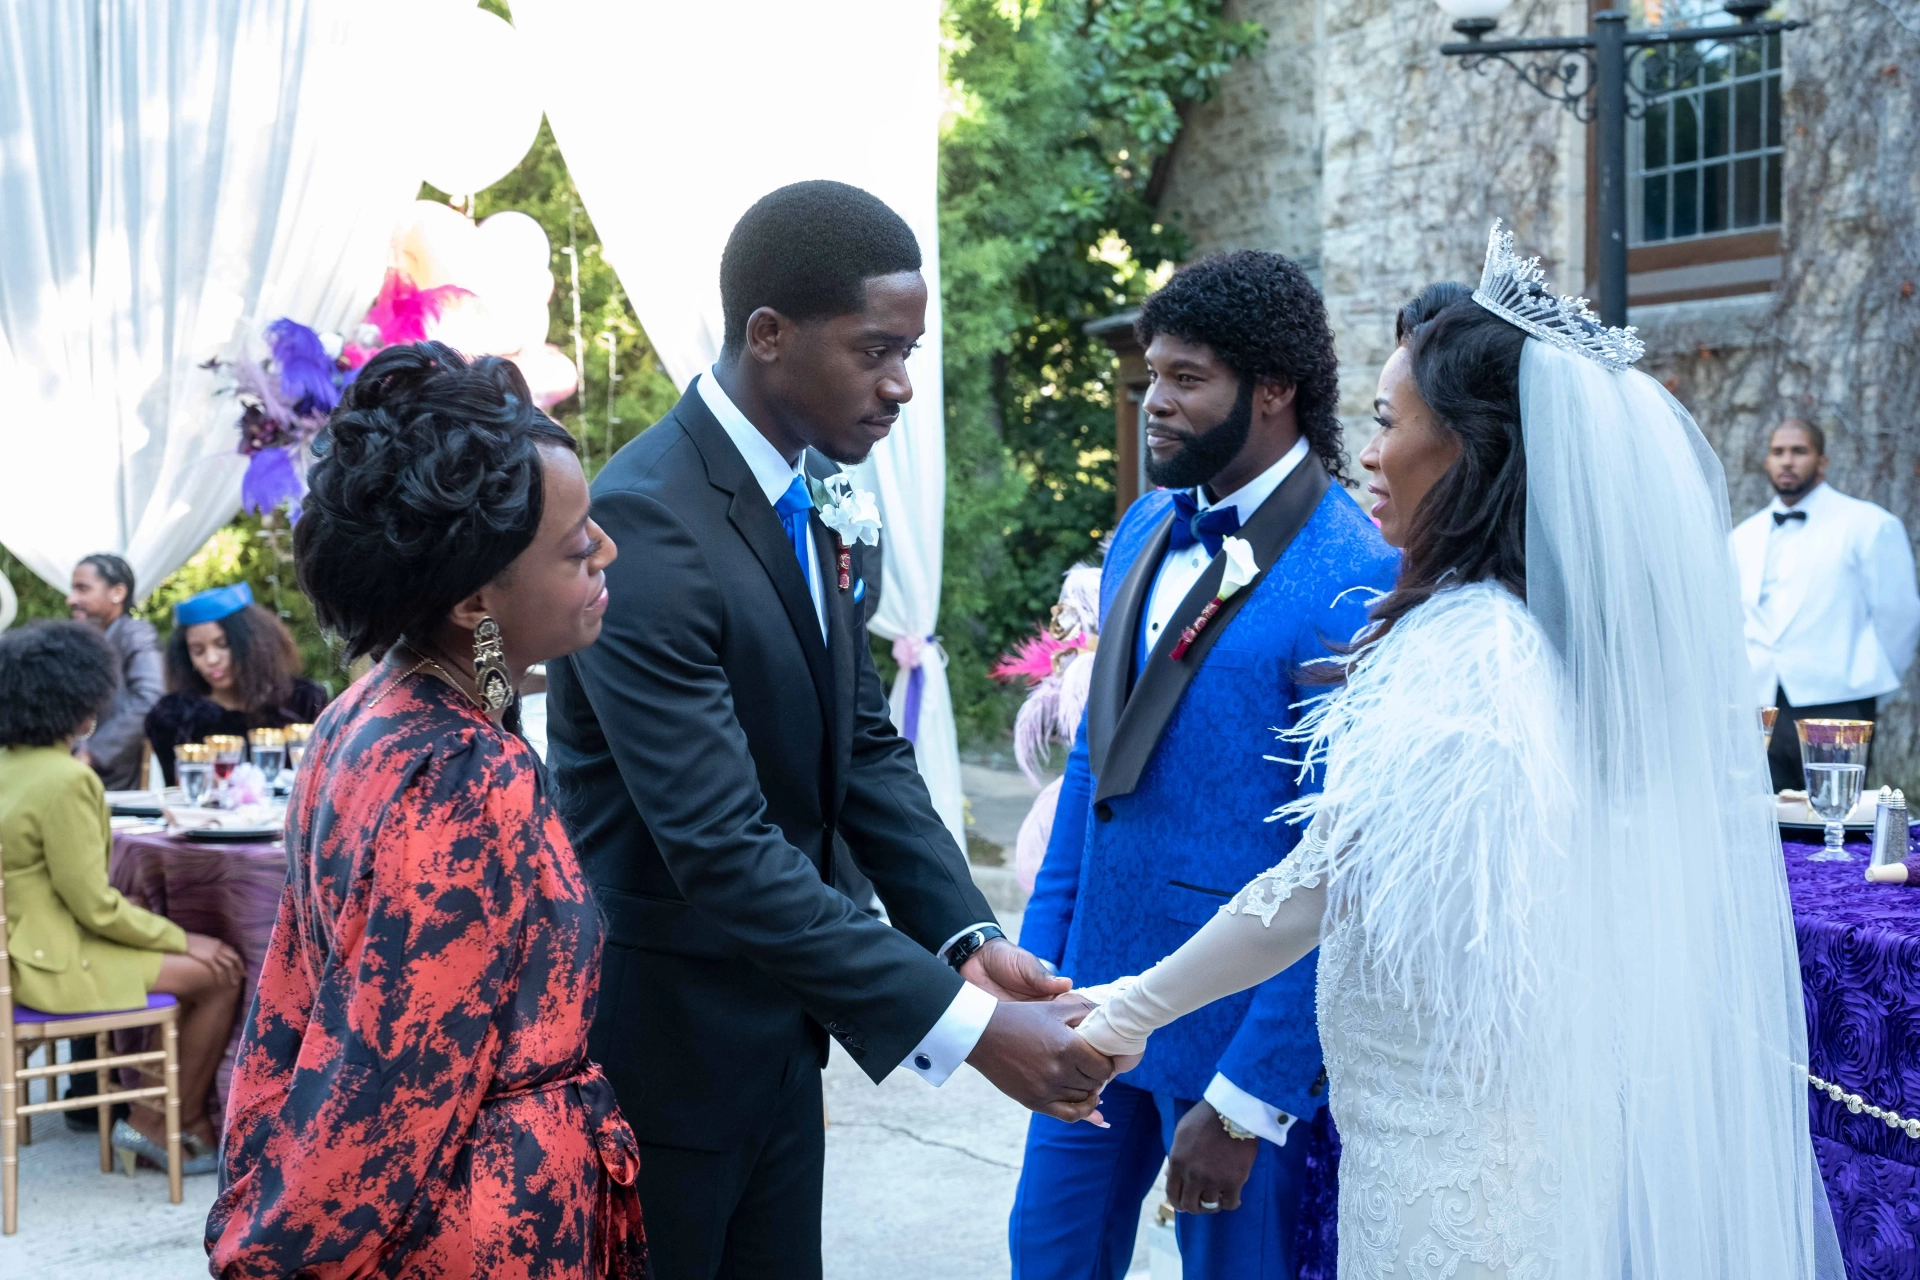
[852, 513]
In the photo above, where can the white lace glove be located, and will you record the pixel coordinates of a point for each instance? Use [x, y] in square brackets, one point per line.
[1233, 951]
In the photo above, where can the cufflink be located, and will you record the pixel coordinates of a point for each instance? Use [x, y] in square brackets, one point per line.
[922, 1062]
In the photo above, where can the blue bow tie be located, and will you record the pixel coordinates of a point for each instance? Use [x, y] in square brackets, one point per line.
[1208, 528]
[795, 505]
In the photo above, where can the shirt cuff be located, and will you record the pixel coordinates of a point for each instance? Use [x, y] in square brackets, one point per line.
[942, 1050]
[1247, 1111]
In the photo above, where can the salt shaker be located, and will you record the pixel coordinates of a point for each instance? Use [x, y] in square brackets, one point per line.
[1889, 828]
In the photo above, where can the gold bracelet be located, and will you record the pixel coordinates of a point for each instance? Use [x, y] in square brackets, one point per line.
[1236, 1131]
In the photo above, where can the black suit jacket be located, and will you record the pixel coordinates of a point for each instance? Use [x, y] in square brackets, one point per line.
[705, 752]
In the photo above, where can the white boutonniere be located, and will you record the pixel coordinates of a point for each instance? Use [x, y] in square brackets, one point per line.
[1240, 569]
[853, 515]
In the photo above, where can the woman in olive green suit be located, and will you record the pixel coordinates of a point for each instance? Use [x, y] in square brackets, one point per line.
[77, 946]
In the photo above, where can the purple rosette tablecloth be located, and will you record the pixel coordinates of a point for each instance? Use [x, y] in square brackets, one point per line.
[226, 891]
[1860, 972]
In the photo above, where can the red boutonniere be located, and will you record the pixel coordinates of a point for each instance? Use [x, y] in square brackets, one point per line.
[1239, 571]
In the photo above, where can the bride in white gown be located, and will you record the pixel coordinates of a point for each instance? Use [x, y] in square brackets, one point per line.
[1558, 989]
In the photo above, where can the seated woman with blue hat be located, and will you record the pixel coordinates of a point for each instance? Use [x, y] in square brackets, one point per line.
[231, 666]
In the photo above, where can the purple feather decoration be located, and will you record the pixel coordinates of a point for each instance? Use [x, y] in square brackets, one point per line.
[270, 481]
[306, 371]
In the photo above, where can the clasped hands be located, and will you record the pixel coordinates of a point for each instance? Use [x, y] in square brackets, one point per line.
[1029, 1050]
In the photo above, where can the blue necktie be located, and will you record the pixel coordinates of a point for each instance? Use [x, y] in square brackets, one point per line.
[1191, 524]
[793, 508]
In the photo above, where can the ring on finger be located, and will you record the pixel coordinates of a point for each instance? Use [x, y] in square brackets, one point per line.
[1210, 1205]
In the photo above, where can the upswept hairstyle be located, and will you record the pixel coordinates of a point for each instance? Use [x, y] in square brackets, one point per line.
[807, 250]
[426, 485]
[265, 660]
[1264, 319]
[53, 675]
[1472, 525]
[113, 571]
[1425, 305]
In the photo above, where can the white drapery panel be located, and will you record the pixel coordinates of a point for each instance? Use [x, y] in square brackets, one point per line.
[673, 120]
[175, 174]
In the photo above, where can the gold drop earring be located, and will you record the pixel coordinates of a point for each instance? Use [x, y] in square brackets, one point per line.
[490, 666]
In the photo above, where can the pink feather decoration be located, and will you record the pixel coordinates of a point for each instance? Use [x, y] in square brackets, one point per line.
[402, 313]
[1031, 659]
[1057, 664]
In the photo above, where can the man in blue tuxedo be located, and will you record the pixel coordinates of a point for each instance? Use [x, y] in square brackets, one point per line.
[1161, 818]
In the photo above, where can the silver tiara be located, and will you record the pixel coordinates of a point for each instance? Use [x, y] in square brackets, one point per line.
[1515, 289]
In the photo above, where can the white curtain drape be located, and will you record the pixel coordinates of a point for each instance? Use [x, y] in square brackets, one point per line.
[174, 175]
[673, 120]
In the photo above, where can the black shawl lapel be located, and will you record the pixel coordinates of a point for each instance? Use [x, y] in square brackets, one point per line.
[1163, 681]
[1113, 658]
[845, 635]
[754, 517]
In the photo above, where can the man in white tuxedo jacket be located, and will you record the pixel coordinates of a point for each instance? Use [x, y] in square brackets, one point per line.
[1832, 614]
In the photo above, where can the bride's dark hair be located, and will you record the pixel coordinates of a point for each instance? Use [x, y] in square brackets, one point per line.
[1472, 525]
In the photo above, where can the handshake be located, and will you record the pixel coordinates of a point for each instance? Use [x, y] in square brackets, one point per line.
[1029, 1050]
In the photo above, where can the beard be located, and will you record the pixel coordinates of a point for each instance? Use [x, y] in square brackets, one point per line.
[1204, 454]
[1792, 493]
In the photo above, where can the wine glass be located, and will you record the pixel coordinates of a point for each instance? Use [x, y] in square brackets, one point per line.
[269, 751]
[1834, 755]
[1768, 715]
[193, 768]
[229, 749]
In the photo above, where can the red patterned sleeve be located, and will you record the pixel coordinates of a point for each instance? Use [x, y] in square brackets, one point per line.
[374, 1038]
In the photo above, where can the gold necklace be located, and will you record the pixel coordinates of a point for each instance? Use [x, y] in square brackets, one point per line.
[444, 675]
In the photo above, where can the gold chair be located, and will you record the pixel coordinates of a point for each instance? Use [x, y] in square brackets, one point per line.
[22, 1030]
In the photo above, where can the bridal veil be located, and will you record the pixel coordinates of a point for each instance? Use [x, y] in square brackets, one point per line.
[1673, 1065]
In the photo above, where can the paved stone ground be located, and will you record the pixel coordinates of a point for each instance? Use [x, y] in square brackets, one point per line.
[918, 1181]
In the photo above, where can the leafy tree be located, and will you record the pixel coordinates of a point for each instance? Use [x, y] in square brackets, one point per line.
[1061, 110]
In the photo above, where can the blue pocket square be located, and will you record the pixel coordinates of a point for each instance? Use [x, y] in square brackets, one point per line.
[859, 591]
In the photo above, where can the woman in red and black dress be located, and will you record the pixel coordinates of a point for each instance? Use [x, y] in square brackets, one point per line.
[413, 1096]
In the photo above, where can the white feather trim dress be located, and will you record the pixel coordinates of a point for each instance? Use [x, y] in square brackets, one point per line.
[1430, 878]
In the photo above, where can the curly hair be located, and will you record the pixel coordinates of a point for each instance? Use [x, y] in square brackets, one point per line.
[265, 659]
[426, 485]
[1264, 319]
[807, 250]
[53, 676]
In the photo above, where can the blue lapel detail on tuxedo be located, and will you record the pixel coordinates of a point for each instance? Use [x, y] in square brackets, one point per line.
[1124, 724]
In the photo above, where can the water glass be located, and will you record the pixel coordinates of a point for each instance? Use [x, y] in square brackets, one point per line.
[1768, 715]
[269, 751]
[193, 768]
[297, 735]
[1834, 755]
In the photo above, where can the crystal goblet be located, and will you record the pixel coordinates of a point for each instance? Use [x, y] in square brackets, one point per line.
[1833, 754]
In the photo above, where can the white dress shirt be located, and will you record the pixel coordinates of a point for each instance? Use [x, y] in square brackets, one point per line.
[1181, 569]
[1832, 609]
[942, 1050]
[1178, 572]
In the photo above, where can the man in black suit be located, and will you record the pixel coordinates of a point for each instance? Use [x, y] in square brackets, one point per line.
[727, 725]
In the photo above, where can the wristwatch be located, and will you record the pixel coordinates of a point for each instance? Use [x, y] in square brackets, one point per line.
[967, 944]
[1236, 1130]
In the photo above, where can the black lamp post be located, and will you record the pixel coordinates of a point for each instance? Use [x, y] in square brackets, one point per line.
[1591, 76]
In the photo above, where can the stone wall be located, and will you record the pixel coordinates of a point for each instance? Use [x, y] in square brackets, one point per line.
[1389, 176]
[1245, 172]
